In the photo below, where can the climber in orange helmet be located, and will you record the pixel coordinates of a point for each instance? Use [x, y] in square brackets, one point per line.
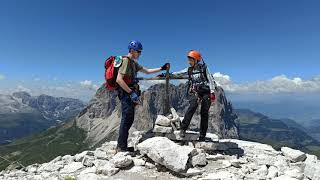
[201, 90]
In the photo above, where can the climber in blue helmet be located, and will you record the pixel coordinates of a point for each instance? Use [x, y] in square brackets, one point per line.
[135, 45]
[129, 90]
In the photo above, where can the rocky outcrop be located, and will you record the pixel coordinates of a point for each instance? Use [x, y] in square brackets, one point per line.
[161, 158]
[101, 117]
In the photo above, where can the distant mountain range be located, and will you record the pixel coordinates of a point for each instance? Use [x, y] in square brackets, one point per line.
[22, 114]
[301, 110]
[99, 122]
[276, 132]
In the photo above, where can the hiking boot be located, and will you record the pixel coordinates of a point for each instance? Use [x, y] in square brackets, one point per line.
[118, 149]
[130, 149]
[182, 133]
[202, 138]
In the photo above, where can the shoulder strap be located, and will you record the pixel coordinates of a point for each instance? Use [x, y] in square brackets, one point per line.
[131, 62]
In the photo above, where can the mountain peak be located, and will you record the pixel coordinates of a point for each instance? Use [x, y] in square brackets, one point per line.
[101, 118]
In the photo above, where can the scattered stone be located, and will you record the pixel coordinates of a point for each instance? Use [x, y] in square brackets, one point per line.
[262, 171]
[32, 168]
[193, 172]
[312, 168]
[170, 116]
[300, 166]
[134, 140]
[120, 160]
[264, 159]
[99, 163]
[150, 165]
[215, 157]
[212, 137]
[108, 169]
[272, 172]
[136, 169]
[162, 129]
[236, 163]
[87, 161]
[207, 146]
[109, 146]
[294, 173]
[174, 114]
[68, 159]
[293, 155]
[89, 170]
[79, 157]
[51, 167]
[88, 176]
[163, 121]
[59, 158]
[199, 160]
[71, 168]
[221, 175]
[189, 136]
[139, 162]
[225, 164]
[100, 154]
[284, 177]
[90, 153]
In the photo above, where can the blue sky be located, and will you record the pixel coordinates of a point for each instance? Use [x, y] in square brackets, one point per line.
[64, 42]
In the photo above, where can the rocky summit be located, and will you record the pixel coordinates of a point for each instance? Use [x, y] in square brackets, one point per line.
[166, 155]
[101, 118]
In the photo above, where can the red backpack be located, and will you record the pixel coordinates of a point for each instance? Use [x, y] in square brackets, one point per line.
[110, 73]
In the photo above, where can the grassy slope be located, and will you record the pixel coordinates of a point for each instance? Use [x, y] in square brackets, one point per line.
[43, 147]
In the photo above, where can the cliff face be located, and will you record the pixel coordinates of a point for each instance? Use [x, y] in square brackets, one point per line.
[101, 117]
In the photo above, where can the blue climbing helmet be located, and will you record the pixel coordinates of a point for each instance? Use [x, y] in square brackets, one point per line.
[135, 45]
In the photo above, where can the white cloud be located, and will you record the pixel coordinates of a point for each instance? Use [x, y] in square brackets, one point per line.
[277, 84]
[2, 77]
[36, 79]
[22, 88]
[88, 85]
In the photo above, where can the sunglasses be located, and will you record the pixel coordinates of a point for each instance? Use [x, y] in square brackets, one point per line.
[191, 58]
[139, 52]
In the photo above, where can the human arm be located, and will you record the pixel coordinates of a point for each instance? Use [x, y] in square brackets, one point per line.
[154, 70]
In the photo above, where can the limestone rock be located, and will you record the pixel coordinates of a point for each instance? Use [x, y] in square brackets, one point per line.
[163, 121]
[120, 160]
[199, 160]
[293, 155]
[165, 152]
[71, 168]
[162, 129]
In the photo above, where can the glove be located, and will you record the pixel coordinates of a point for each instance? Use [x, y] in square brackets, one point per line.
[134, 97]
[165, 66]
[161, 75]
[212, 97]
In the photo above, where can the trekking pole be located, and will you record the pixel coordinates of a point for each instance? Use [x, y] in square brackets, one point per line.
[167, 101]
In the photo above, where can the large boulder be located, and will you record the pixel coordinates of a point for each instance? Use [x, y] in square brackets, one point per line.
[312, 168]
[293, 155]
[167, 153]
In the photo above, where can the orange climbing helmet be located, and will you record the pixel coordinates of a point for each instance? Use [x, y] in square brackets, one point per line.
[195, 55]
